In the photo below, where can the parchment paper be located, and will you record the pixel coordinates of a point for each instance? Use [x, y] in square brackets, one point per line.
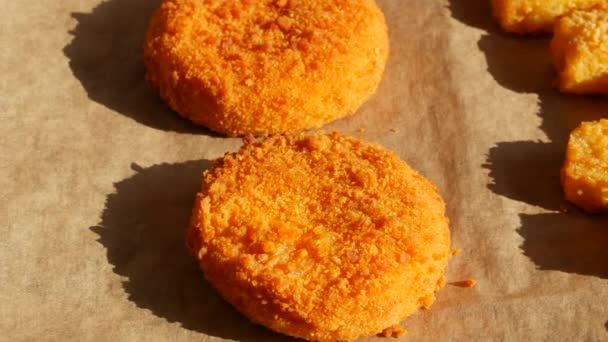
[97, 179]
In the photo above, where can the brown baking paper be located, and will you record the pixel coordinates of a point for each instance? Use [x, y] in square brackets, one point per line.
[98, 179]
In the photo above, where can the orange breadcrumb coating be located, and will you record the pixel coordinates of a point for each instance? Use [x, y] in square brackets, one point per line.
[320, 236]
[535, 16]
[263, 67]
[580, 52]
[585, 171]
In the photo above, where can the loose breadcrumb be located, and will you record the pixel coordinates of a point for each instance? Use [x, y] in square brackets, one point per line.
[580, 52]
[535, 16]
[320, 236]
[465, 283]
[585, 172]
[394, 331]
[263, 67]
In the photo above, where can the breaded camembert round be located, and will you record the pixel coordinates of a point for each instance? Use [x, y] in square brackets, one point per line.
[585, 171]
[320, 236]
[263, 67]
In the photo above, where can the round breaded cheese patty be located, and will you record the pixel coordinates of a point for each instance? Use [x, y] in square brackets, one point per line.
[320, 236]
[269, 66]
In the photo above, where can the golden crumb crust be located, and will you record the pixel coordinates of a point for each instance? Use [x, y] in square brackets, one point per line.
[320, 236]
[264, 67]
[535, 16]
[580, 51]
[585, 171]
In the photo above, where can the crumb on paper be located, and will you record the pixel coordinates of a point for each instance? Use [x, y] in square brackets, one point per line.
[455, 251]
[361, 130]
[394, 331]
[394, 130]
[441, 282]
[465, 283]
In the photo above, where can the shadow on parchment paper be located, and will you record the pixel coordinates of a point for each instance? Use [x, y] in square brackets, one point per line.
[143, 228]
[106, 56]
[528, 171]
[573, 242]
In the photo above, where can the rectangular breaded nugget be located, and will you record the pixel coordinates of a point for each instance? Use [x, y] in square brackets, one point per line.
[580, 51]
[584, 175]
[535, 16]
